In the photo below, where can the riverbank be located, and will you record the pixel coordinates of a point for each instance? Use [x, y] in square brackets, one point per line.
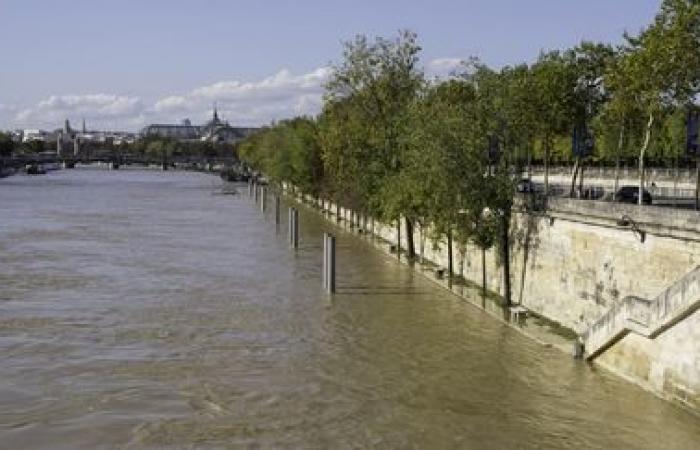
[546, 332]
[559, 311]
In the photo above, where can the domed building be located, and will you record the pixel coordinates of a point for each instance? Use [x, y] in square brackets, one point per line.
[215, 130]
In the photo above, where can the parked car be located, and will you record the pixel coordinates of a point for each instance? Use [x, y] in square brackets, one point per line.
[35, 169]
[525, 186]
[630, 194]
[592, 192]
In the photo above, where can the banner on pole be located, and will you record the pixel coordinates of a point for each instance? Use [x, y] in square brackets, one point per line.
[582, 141]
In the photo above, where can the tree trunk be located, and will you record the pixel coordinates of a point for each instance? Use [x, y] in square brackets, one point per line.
[398, 238]
[449, 252]
[422, 244]
[697, 183]
[526, 253]
[581, 170]
[546, 165]
[505, 256]
[573, 176]
[483, 273]
[642, 152]
[675, 182]
[620, 143]
[410, 246]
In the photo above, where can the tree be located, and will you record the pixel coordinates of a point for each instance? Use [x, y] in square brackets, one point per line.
[376, 83]
[346, 156]
[35, 146]
[7, 145]
[554, 83]
[618, 120]
[442, 160]
[662, 66]
[503, 131]
[589, 61]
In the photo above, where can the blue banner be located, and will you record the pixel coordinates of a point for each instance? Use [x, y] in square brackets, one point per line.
[582, 142]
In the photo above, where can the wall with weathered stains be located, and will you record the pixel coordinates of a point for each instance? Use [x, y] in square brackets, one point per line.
[571, 262]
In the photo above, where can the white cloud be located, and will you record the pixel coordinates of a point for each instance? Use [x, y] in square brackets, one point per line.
[443, 67]
[276, 97]
[100, 108]
[245, 103]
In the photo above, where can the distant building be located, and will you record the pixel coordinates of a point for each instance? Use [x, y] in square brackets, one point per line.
[182, 132]
[216, 130]
[35, 135]
[17, 136]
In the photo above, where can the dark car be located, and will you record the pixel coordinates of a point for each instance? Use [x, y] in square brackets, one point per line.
[630, 194]
[525, 186]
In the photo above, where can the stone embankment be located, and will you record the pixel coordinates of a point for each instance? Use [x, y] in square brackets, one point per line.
[647, 318]
[580, 263]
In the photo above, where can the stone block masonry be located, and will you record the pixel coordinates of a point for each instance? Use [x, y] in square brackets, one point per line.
[575, 261]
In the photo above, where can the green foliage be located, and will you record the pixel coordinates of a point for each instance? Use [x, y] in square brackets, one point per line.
[6, 145]
[391, 144]
[162, 147]
[288, 151]
[656, 74]
[373, 88]
[34, 146]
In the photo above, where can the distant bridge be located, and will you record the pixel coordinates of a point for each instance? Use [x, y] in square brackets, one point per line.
[115, 160]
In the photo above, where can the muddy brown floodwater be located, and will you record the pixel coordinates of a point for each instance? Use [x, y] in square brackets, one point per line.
[141, 309]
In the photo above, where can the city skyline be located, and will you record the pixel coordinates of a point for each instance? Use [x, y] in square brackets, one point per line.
[124, 65]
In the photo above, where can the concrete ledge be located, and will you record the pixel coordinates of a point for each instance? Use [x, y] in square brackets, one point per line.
[653, 217]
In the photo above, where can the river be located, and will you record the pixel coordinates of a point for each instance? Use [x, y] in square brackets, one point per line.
[145, 309]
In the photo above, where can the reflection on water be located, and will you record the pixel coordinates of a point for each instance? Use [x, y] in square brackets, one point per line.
[143, 310]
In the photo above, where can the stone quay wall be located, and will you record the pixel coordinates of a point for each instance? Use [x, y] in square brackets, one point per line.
[574, 261]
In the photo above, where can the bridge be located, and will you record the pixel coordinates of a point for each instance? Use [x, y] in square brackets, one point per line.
[117, 159]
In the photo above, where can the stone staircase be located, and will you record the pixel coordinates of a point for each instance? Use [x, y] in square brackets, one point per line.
[648, 318]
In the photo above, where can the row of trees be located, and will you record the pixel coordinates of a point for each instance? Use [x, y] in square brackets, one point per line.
[162, 147]
[397, 146]
[8, 146]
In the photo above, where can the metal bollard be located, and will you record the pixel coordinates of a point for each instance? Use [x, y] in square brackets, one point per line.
[324, 268]
[277, 209]
[578, 350]
[263, 198]
[329, 259]
[295, 235]
[294, 227]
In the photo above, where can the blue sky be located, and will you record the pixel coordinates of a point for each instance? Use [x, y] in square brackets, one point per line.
[122, 64]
